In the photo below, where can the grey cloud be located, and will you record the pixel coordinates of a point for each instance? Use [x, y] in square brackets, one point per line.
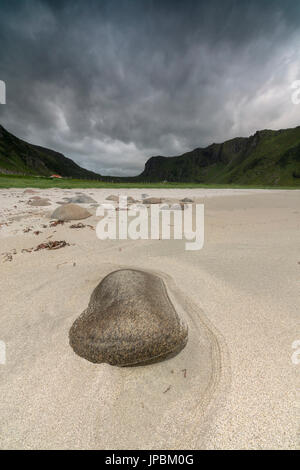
[111, 83]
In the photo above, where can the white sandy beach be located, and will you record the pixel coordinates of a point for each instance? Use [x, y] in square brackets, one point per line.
[234, 386]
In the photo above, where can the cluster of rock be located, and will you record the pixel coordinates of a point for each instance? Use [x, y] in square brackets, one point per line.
[113, 198]
[151, 200]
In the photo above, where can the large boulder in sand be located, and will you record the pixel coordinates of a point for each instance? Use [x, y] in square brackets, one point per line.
[70, 212]
[130, 320]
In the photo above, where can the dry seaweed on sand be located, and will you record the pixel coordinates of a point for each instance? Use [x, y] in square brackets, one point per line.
[55, 245]
[54, 223]
[7, 257]
[79, 225]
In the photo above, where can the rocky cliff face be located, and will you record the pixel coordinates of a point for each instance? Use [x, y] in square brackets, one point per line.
[267, 157]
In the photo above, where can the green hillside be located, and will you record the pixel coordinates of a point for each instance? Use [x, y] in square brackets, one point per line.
[267, 158]
[20, 157]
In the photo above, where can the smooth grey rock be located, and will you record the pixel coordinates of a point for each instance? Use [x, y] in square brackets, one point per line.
[112, 198]
[152, 200]
[70, 212]
[186, 199]
[29, 191]
[39, 202]
[81, 199]
[175, 207]
[130, 320]
[131, 200]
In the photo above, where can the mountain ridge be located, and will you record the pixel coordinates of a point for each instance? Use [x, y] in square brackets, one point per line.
[19, 156]
[268, 157]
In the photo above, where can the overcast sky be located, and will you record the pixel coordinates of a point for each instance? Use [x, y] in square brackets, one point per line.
[111, 83]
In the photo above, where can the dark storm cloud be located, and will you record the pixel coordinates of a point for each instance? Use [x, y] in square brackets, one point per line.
[110, 83]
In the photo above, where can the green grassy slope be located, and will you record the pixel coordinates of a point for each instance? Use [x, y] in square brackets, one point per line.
[17, 181]
[268, 157]
[18, 156]
[265, 159]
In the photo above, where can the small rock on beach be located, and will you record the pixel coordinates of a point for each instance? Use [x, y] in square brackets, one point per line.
[70, 212]
[186, 199]
[81, 199]
[152, 200]
[39, 202]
